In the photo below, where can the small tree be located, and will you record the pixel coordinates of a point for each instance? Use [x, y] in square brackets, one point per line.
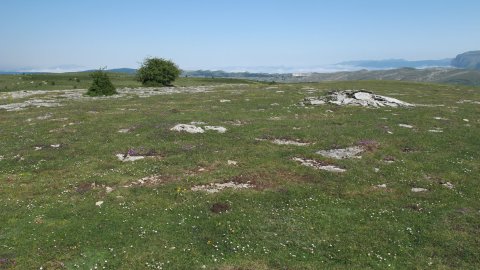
[101, 85]
[157, 72]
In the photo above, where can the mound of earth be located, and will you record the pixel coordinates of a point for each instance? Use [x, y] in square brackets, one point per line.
[356, 98]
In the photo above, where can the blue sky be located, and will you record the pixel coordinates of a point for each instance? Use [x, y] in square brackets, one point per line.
[212, 34]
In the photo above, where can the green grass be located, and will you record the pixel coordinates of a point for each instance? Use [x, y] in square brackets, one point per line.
[296, 218]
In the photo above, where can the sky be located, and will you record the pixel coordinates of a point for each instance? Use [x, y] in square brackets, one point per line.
[65, 35]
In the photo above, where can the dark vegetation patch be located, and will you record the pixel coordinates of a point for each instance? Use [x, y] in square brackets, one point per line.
[7, 263]
[84, 187]
[389, 159]
[369, 145]
[414, 207]
[409, 149]
[218, 208]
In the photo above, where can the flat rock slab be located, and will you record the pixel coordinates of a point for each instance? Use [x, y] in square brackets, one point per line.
[217, 187]
[416, 190]
[29, 103]
[187, 128]
[289, 142]
[342, 153]
[54, 98]
[356, 98]
[319, 165]
[218, 129]
[123, 130]
[128, 158]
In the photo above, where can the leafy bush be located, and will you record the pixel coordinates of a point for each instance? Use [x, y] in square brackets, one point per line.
[157, 72]
[101, 85]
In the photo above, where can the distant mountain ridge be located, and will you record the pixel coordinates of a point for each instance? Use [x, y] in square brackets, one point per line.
[468, 60]
[397, 63]
[431, 75]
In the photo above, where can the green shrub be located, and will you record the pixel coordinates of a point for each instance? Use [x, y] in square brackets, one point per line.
[157, 72]
[101, 85]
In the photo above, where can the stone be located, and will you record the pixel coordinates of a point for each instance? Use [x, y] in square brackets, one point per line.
[217, 187]
[187, 128]
[218, 129]
[289, 142]
[232, 163]
[128, 158]
[416, 190]
[356, 98]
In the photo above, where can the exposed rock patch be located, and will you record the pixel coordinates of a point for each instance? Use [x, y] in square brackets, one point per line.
[218, 129]
[124, 130]
[290, 142]
[187, 128]
[197, 123]
[195, 129]
[313, 101]
[29, 103]
[128, 158]
[217, 187]
[232, 163]
[356, 98]
[342, 153]
[405, 126]
[318, 165]
[468, 101]
[448, 185]
[137, 154]
[53, 98]
[147, 181]
[416, 190]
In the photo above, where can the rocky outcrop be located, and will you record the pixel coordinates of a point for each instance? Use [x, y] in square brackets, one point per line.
[357, 98]
[468, 60]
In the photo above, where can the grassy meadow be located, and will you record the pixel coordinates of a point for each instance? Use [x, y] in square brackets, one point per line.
[57, 165]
